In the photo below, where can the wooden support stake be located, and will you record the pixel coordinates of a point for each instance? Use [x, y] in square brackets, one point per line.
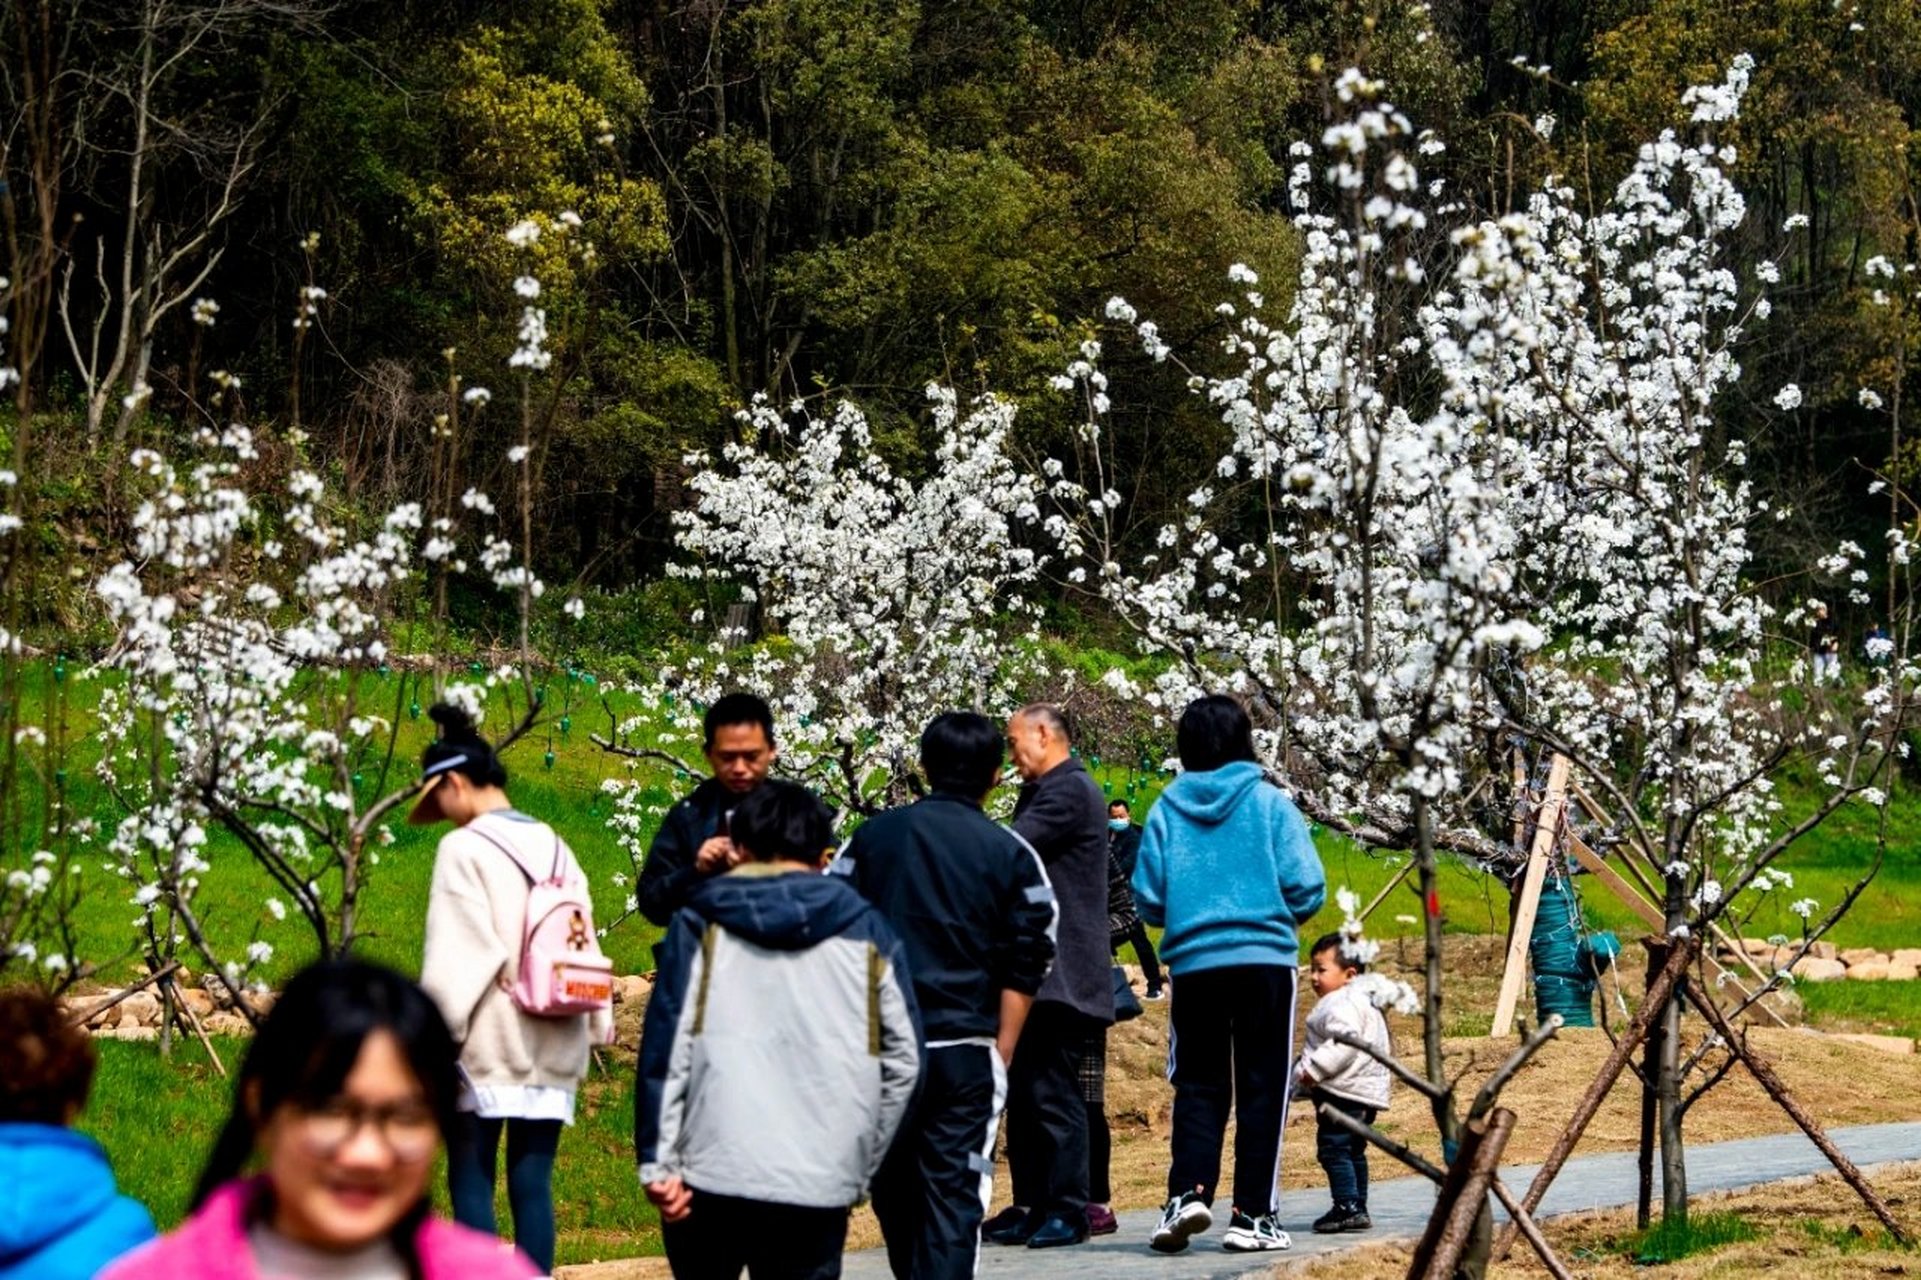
[1386, 889]
[193, 1020]
[1547, 825]
[91, 1012]
[1462, 1215]
[1531, 1232]
[1651, 916]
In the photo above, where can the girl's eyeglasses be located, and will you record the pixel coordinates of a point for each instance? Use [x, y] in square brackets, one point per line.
[408, 1128]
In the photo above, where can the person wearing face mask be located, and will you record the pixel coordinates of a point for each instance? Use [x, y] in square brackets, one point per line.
[693, 843]
[342, 1102]
[520, 1070]
[1124, 923]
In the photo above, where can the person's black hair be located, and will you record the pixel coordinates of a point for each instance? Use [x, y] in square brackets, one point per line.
[1120, 802]
[738, 708]
[1214, 731]
[782, 820]
[458, 737]
[306, 1047]
[961, 753]
[1333, 942]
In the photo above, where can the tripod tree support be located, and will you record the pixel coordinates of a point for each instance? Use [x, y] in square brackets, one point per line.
[1631, 1038]
[1776, 1088]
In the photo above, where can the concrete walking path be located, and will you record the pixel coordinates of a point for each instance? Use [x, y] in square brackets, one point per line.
[1400, 1208]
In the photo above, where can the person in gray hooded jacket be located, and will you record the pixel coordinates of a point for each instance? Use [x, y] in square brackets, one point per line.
[778, 1055]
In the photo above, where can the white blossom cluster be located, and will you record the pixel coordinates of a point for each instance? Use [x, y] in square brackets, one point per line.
[883, 597]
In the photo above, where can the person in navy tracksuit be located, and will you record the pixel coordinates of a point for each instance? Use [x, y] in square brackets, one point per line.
[975, 912]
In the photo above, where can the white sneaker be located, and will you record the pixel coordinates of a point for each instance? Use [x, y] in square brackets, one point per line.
[1255, 1235]
[1183, 1216]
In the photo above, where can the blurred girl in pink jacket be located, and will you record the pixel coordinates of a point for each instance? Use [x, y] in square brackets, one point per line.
[344, 1099]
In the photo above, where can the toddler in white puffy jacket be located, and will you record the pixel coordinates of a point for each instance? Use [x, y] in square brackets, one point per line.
[1334, 1074]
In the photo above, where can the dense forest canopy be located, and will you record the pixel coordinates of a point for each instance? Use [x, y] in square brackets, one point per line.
[820, 199]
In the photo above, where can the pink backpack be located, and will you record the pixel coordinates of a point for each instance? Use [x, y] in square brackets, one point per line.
[562, 971]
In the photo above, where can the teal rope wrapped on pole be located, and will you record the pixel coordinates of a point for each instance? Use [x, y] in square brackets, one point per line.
[1562, 957]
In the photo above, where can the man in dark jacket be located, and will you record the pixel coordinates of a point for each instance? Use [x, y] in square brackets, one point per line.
[1062, 814]
[976, 916]
[692, 843]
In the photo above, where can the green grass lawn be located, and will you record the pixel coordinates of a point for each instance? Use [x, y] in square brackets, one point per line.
[158, 1119]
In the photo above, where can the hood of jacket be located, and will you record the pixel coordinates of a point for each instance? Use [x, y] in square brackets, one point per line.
[773, 906]
[56, 1180]
[1207, 798]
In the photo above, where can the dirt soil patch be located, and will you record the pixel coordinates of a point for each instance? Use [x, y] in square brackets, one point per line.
[1803, 1227]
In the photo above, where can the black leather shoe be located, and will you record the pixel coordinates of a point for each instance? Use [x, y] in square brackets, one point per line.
[1012, 1226]
[1058, 1231]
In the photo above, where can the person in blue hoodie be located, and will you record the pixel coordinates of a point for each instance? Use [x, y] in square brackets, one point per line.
[61, 1217]
[777, 1057]
[1228, 870]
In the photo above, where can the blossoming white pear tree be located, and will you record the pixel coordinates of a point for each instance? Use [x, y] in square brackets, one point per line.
[254, 616]
[1499, 506]
[885, 598]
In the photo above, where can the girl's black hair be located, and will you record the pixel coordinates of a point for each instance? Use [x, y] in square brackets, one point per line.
[1214, 731]
[305, 1048]
[458, 737]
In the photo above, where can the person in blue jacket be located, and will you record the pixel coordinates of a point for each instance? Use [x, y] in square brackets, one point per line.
[61, 1217]
[1228, 870]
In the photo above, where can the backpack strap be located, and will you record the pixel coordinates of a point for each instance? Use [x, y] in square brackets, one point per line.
[532, 879]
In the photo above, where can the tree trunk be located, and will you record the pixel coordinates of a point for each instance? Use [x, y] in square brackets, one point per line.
[1665, 1049]
[1658, 949]
[1444, 1116]
[1674, 1168]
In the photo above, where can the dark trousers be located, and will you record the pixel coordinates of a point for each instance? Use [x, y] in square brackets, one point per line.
[722, 1235]
[1046, 1118]
[473, 1159]
[1343, 1154]
[1232, 1046]
[1143, 952]
[934, 1187]
[1100, 1139]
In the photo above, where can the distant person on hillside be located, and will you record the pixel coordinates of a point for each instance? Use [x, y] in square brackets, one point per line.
[1824, 641]
[778, 1055]
[343, 1100]
[61, 1217]
[1228, 869]
[1124, 922]
[692, 844]
[1337, 1075]
[975, 913]
[1062, 814]
[520, 1070]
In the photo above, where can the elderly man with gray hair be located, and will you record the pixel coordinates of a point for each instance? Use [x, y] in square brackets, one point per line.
[1063, 815]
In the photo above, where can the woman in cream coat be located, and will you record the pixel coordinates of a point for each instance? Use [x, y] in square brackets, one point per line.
[520, 1073]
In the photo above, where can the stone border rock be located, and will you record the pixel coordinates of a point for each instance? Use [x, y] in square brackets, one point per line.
[1824, 962]
[137, 1015]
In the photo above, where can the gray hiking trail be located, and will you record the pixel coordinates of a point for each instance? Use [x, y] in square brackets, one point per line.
[1400, 1208]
